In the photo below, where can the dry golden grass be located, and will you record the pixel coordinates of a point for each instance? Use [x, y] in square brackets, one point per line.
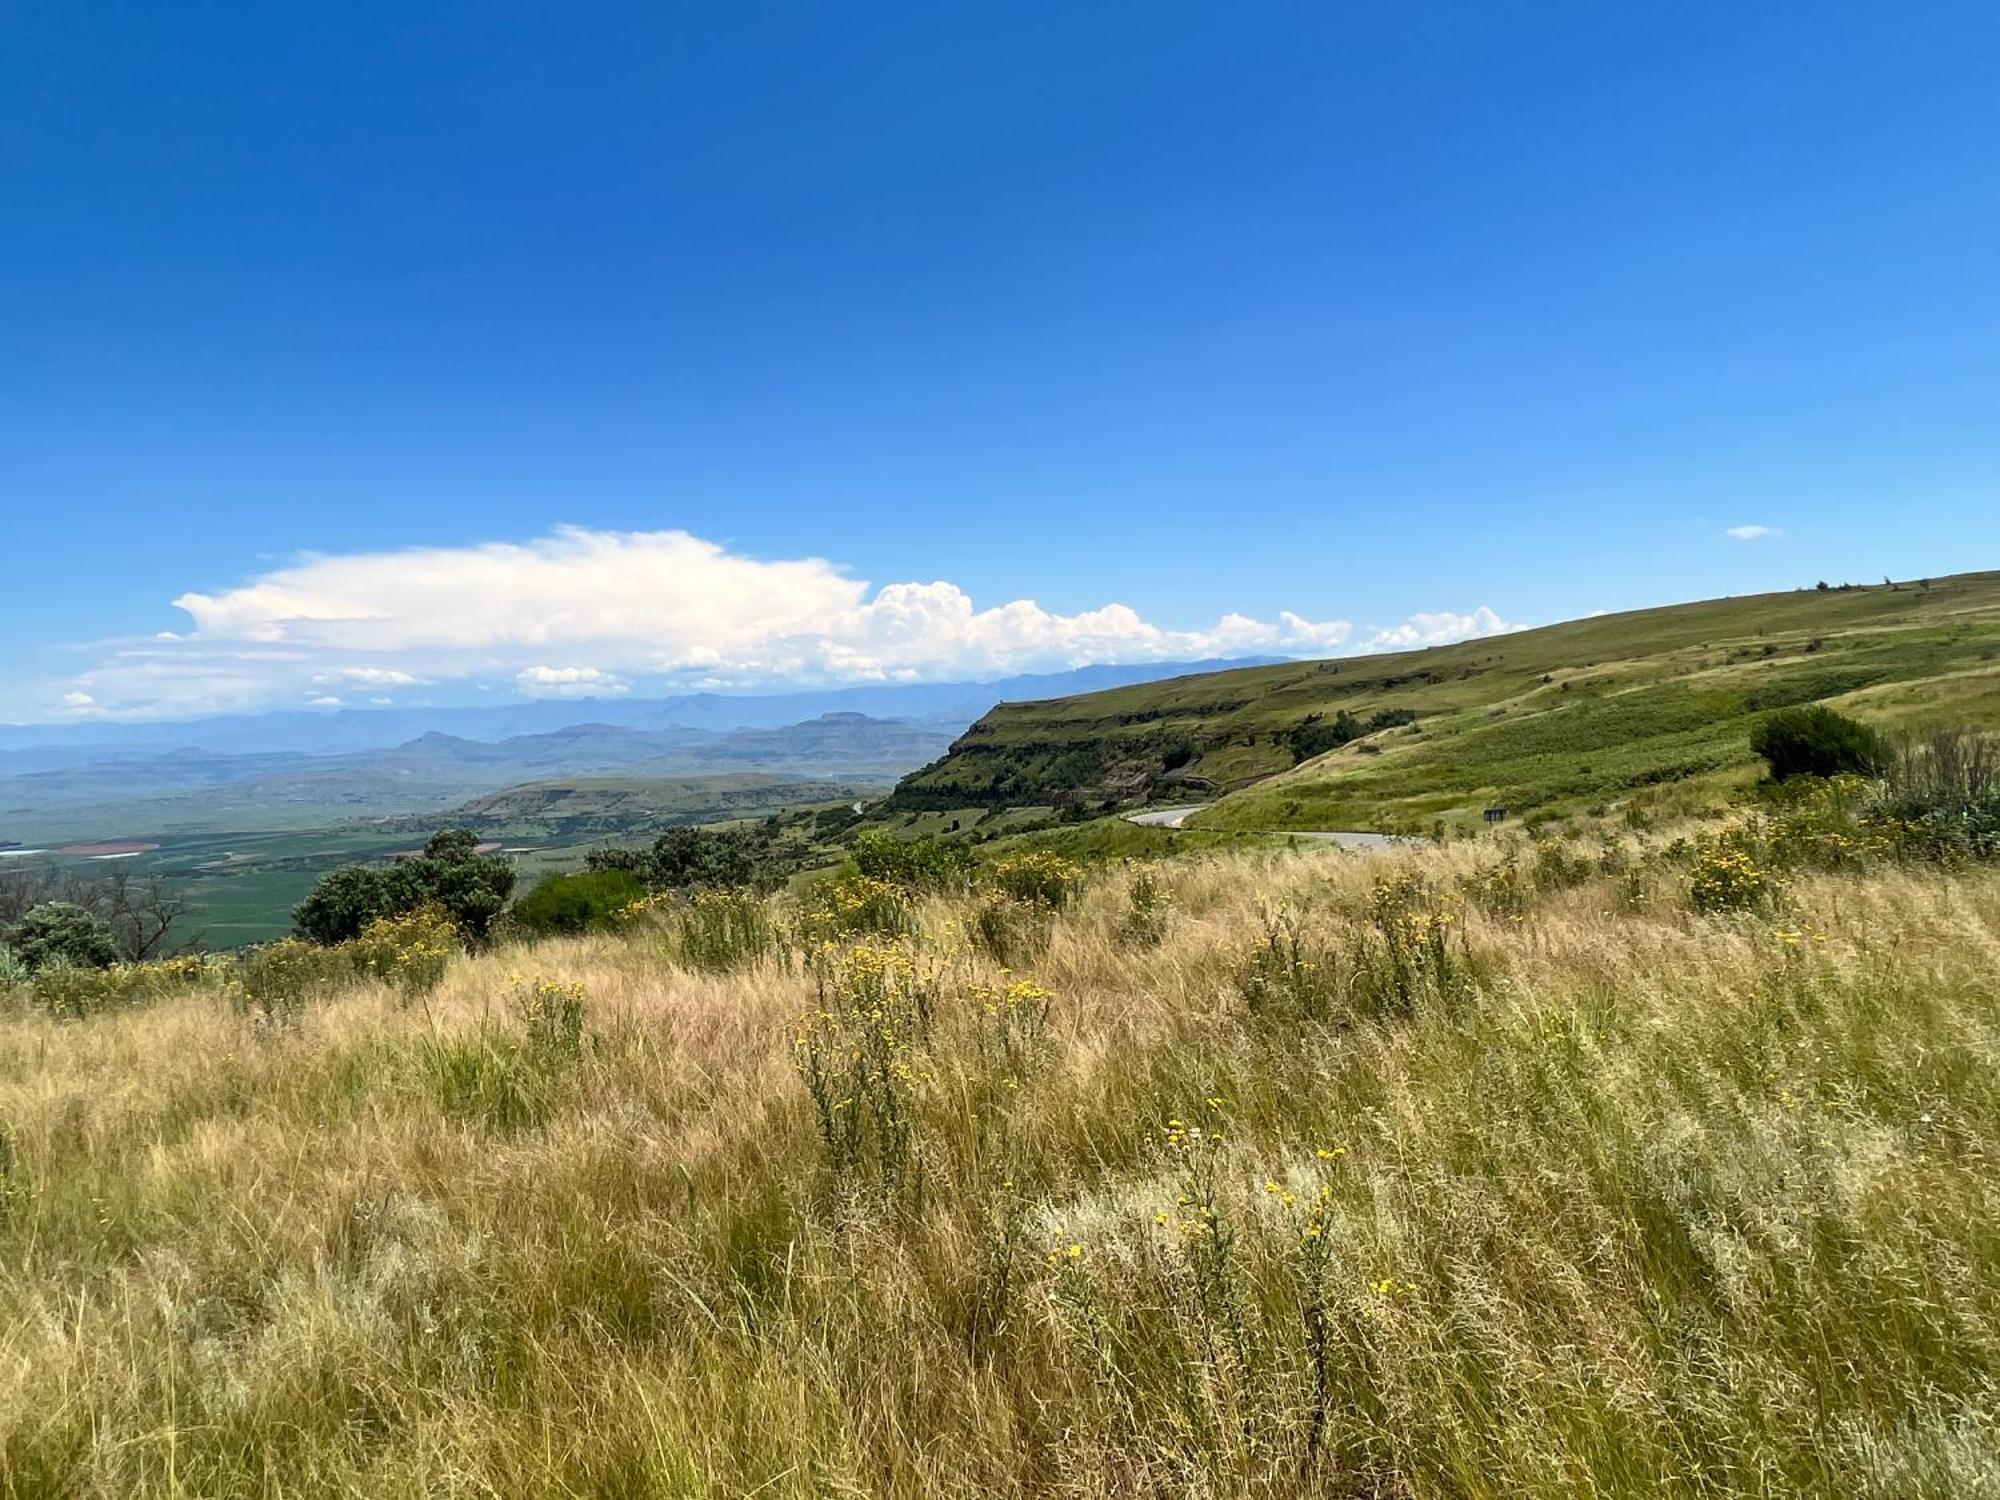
[1632, 1201]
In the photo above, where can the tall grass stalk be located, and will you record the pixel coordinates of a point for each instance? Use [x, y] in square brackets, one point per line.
[1599, 1201]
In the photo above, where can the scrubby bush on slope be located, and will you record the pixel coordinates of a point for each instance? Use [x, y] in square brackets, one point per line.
[569, 904]
[1816, 741]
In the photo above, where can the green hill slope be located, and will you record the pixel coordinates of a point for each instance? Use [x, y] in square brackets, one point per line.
[1556, 719]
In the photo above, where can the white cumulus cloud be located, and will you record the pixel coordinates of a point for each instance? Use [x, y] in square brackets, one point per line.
[569, 682]
[584, 612]
[1753, 533]
[371, 676]
[1439, 629]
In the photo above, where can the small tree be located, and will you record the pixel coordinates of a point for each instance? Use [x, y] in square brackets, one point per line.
[1816, 741]
[60, 932]
[697, 859]
[341, 903]
[450, 874]
[452, 845]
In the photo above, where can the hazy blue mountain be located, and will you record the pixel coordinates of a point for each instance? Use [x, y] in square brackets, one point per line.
[434, 768]
[952, 704]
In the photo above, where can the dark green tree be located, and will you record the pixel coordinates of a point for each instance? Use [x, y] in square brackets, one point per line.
[691, 859]
[470, 888]
[341, 903]
[452, 845]
[63, 932]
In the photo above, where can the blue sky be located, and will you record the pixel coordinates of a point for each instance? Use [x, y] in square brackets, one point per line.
[681, 340]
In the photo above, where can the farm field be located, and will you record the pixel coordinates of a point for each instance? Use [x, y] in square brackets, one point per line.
[242, 883]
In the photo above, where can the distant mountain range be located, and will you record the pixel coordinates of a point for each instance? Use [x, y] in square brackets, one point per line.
[42, 747]
[435, 767]
[242, 771]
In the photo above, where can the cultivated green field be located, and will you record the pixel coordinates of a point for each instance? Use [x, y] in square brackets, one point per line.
[243, 883]
[1652, 706]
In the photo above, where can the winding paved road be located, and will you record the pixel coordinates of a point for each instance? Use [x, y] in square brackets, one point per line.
[1175, 817]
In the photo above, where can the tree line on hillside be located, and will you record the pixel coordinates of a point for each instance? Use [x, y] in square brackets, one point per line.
[1316, 734]
[471, 889]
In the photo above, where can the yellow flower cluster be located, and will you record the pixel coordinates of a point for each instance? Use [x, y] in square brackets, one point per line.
[1726, 878]
[857, 1050]
[552, 1011]
[1181, 1136]
[650, 907]
[76, 991]
[1038, 875]
[409, 951]
[852, 904]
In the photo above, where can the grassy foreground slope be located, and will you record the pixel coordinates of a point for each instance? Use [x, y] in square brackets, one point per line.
[1559, 719]
[1604, 1197]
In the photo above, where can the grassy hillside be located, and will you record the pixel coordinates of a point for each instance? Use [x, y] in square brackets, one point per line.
[1591, 712]
[1462, 1172]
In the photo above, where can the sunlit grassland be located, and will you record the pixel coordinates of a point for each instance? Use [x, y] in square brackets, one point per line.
[1615, 1198]
[1652, 704]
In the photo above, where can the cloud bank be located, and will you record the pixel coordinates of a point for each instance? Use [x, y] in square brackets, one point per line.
[584, 613]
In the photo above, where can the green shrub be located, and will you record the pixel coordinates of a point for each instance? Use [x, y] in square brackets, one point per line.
[62, 932]
[72, 991]
[1413, 952]
[1731, 875]
[696, 859]
[409, 951]
[1816, 741]
[849, 905]
[1502, 890]
[1288, 975]
[470, 888]
[1145, 921]
[564, 905]
[277, 979]
[925, 863]
[857, 1047]
[552, 1013]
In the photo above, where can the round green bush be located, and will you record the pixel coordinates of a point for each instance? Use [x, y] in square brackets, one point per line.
[1816, 741]
[563, 904]
[58, 932]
